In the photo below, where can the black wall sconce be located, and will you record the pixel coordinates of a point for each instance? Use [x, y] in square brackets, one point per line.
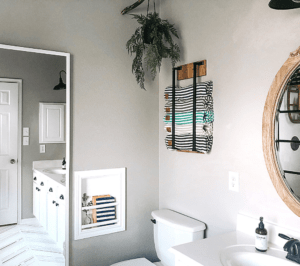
[284, 4]
[61, 85]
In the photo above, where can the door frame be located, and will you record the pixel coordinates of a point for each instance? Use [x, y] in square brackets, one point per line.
[19, 145]
[68, 136]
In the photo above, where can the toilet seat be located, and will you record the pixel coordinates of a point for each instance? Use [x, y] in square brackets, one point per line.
[134, 262]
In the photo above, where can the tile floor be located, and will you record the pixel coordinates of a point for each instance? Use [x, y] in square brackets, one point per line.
[28, 244]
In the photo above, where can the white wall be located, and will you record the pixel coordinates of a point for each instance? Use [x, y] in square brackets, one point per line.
[245, 44]
[114, 122]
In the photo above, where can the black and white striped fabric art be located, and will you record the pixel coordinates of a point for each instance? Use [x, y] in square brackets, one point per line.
[185, 142]
[202, 104]
[186, 93]
[184, 107]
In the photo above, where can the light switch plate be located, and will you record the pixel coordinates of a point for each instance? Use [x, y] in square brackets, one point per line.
[25, 141]
[25, 131]
[234, 183]
[42, 148]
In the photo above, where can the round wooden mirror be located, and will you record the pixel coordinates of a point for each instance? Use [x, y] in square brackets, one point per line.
[279, 113]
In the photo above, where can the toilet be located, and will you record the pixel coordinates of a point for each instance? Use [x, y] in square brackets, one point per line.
[170, 229]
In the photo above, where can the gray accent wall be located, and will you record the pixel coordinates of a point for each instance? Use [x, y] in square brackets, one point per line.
[245, 43]
[39, 74]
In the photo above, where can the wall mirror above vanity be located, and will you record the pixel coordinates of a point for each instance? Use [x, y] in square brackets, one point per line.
[281, 132]
[27, 79]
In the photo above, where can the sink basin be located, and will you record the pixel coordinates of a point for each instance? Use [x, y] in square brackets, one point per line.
[246, 255]
[55, 171]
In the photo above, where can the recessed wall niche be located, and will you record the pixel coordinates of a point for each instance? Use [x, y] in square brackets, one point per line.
[100, 198]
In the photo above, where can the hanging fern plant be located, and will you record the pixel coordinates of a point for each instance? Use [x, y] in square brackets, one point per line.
[150, 43]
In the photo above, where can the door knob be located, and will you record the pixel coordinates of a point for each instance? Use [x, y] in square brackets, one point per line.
[12, 161]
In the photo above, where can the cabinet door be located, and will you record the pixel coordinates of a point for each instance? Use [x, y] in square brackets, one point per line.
[43, 202]
[52, 123]
[61, 223]
[52, 215]
[36, 201]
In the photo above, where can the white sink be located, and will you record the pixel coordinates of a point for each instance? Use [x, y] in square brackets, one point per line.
[55, 171]
[247, 255]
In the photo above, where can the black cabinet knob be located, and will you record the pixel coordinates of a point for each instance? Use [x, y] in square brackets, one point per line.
[61, 196]
[57, 204]
[50, 189]
[42, 183]
[37, 189]
[34, 178]
[53, 201]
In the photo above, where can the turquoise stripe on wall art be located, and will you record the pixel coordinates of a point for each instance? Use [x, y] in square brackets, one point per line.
[187, 118]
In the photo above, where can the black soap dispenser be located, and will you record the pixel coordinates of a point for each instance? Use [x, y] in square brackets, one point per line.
[63, 165]
[261, 237]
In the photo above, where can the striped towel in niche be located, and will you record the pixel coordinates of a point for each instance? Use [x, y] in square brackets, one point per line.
[105, 213]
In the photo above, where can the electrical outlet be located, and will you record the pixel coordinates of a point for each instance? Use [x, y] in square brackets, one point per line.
[234, 183]
[42, 148]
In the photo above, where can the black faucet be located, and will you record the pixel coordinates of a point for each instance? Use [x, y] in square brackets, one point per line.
[292, 247]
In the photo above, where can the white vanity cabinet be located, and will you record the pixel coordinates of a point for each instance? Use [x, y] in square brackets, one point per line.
[52, 210]
[49, 204]
[36, 197]
[42, 200]
[61, 221]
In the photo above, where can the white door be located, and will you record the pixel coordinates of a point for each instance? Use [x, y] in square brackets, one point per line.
[8, 153]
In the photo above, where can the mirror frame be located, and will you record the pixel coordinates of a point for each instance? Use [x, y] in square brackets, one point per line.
[268, 130]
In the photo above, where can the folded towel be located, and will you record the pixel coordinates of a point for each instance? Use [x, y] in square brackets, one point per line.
[105, 201]
[99, 197]
[201, 129]
[187, 118]
[113, 215]
[181, 106]
[105, 210]
[104, 220]
[185, 93]
[185, 142]
[102, 199]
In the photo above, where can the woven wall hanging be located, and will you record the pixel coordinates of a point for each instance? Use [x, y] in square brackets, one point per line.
[189, 111]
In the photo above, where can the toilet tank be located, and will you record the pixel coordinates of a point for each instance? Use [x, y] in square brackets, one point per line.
[172, 229]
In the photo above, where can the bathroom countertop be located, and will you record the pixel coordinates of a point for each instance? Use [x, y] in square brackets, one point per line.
[206, 252]
[56, 177]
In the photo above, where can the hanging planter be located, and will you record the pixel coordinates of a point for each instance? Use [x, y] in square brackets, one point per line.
[150, 43]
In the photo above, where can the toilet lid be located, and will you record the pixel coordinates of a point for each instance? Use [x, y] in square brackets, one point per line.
[135, 262]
